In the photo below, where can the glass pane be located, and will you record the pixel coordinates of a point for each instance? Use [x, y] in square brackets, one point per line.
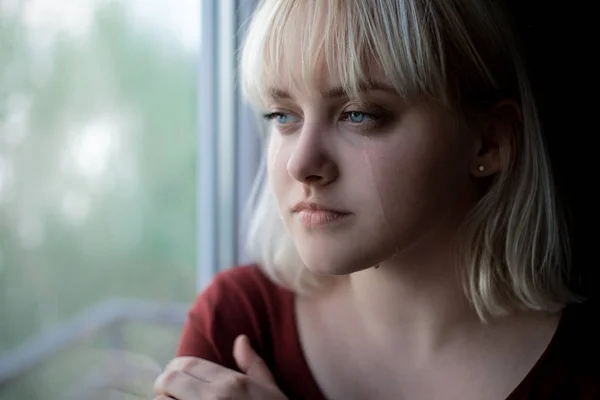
[97, 184]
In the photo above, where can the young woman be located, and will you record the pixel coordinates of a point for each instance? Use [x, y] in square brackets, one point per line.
[408, 240]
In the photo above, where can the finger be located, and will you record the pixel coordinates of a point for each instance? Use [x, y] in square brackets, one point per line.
[175, 384]
[197, 367]
[250, 362]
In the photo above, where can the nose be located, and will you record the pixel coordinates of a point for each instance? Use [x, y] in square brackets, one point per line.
[311, 162]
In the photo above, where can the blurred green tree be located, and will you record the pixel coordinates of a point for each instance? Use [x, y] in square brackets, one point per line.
[97, 169]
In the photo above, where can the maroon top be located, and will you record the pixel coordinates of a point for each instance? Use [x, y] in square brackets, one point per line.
[242, 300]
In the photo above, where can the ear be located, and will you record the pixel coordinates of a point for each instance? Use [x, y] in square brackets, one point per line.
[495, 138]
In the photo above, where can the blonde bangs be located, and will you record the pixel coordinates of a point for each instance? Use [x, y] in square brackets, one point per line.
[302, 42]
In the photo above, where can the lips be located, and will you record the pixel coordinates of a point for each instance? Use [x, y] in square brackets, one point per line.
[317, 218]
[314, 215]
[313, 206]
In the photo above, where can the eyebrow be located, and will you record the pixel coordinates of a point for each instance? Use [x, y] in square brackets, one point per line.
[335, 92]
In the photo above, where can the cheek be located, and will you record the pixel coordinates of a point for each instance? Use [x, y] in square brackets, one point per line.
[400, 165]
[427, 160]
[273, 150]
[418, 180]
[277, 166]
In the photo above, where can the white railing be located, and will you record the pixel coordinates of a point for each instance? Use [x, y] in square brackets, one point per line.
[109, 316]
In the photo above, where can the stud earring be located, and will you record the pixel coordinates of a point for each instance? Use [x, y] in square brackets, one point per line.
[481, 168]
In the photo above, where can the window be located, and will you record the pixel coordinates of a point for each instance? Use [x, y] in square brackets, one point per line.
[118, 200]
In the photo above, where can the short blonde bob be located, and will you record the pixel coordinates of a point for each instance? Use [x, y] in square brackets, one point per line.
[462, 54]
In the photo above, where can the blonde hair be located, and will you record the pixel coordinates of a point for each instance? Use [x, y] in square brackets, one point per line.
[461, 54]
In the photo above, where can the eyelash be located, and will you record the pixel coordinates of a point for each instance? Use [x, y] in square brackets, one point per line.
[348, 114]
[271, 116]
[345, 116]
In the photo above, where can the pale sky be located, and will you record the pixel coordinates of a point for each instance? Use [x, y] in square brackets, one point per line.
[179, 19]
[98, 141]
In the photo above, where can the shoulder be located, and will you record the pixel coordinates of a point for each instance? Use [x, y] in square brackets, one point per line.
[238, 289]
[569, 368]
[239, 300]
[581, 331]
[576, 351]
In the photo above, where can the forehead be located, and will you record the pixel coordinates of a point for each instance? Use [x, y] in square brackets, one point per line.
[325, 84]
[329, 92]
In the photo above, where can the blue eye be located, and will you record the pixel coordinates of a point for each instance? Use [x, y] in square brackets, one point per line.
[282, 118]
[279, 117]
[357, 117]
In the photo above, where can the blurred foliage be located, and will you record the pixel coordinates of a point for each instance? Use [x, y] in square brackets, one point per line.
[97, 171]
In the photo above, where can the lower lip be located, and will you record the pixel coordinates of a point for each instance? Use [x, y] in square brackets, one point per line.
[317, 218]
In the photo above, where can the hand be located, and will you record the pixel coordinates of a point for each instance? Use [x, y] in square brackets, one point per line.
[190, 378]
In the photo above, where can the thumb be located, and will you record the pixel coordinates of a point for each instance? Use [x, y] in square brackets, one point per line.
[249, 362]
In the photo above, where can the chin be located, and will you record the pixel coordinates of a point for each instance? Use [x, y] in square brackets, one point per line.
[337, 263]
[341, 251]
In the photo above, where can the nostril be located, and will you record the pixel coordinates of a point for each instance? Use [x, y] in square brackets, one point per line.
[313, 178]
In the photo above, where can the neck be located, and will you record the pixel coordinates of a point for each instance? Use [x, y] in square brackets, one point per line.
[419, 300]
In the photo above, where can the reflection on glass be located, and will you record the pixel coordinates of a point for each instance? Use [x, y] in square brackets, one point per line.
[97, 183]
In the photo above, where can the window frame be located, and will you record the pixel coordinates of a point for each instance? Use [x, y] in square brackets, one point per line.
[229, 149]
